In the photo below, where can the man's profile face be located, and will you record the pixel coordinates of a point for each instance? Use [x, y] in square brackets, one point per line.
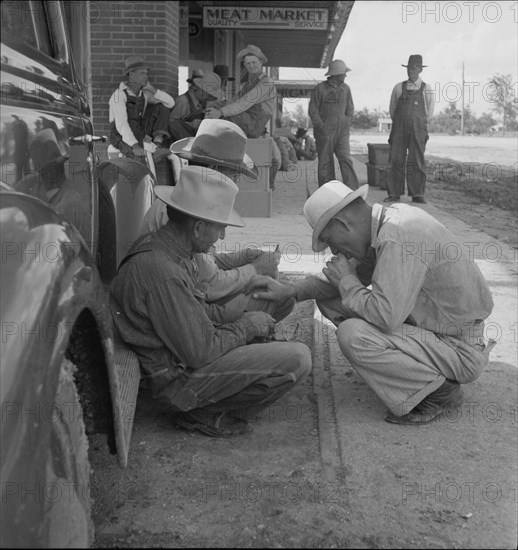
[206, 235]
[345, 239]
[413, 72]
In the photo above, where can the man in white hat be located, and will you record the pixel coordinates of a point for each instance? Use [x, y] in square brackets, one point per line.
[195, 356]
[416, 333]
[189, 110]
[138, 112]
[219, 145]
[331, 109]
[411, 106]
[256, 99]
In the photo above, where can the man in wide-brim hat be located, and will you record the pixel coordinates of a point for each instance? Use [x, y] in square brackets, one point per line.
[138, 112]
[256, 99]
[219, 145]
[189, 110]
[195, 356]
[331, 109]
[411, 106]
[410, 323]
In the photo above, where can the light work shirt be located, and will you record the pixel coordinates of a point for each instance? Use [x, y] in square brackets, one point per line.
[119, 114]
[261, 90]
[423, 276]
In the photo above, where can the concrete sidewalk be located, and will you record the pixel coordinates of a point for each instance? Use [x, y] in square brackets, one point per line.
[449, 484]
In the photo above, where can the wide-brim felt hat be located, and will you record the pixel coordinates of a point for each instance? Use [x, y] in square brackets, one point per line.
[252, 50]
[325, 203]
[134, 62]
[203, 194]
[196, 73]
[416, 60]
[223, 72]
[217, 143]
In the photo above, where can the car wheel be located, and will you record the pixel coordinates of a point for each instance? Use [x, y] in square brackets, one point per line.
[68, 469]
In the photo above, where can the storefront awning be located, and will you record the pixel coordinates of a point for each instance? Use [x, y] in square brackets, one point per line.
[291, 34]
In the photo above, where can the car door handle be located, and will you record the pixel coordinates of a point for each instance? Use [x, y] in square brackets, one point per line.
[87, 138]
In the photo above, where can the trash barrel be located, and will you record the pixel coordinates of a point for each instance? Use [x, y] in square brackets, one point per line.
[378, 164]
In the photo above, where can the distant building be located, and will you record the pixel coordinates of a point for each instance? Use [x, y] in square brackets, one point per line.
[384, 124]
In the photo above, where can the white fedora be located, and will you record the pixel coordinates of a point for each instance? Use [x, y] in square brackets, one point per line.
[203, 194]
[217, 143]
[325, 203]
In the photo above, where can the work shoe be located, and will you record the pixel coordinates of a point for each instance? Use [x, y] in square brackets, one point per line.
[443, 399]
[421, 200]
[213, 425]
[391, 198]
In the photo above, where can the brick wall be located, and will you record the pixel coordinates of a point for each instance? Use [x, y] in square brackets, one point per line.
[121, 29]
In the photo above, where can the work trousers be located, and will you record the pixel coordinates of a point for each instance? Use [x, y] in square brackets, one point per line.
[332, 141]
[404, 367]
[410, 165]
[243, 381]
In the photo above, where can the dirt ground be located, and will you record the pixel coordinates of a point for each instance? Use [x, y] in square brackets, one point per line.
[284, 487]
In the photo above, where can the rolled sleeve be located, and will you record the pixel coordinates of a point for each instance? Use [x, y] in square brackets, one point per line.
[263, 92]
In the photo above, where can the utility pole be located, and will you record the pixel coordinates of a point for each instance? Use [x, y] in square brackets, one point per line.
[462, 108]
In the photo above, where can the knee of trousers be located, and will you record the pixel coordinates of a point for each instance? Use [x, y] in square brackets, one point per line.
[298, 361]
[350, 335]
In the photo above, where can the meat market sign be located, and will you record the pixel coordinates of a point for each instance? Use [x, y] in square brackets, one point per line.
[248, 17]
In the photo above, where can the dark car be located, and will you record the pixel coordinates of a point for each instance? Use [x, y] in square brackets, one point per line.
[63, 374]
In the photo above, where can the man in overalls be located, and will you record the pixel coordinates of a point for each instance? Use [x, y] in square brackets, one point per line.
[411, 105]
[254, 104]
[331, 110]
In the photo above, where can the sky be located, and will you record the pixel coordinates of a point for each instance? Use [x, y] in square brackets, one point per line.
[380, 36]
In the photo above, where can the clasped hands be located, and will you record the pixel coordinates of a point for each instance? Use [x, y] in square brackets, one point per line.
[336, 269]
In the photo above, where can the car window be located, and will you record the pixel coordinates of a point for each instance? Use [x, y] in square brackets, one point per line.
[25, 23]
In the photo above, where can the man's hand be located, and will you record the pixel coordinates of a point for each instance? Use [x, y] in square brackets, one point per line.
[267, 263]
[149, 88]
[273, 290]
[213, 113]
[258, 324]
[138, 150]
[337, 268]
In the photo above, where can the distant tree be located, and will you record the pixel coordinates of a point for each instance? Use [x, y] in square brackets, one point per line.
[503, 96]
[364, 119]
[300, 115]
[483, 124]
[447, 121]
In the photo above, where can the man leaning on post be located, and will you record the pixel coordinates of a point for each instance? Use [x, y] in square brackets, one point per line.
[417, 332]
[194, 356]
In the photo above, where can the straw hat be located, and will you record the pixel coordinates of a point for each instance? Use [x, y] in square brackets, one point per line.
[337, 66]
[210, 83]
[204, 195]
[217, 143]
[252, 50]
[325, 203]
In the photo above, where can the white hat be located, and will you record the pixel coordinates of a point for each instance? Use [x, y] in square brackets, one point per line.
[210, 83]
[325, 203]
[217, 143]
[203, 194]
[337, 66]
